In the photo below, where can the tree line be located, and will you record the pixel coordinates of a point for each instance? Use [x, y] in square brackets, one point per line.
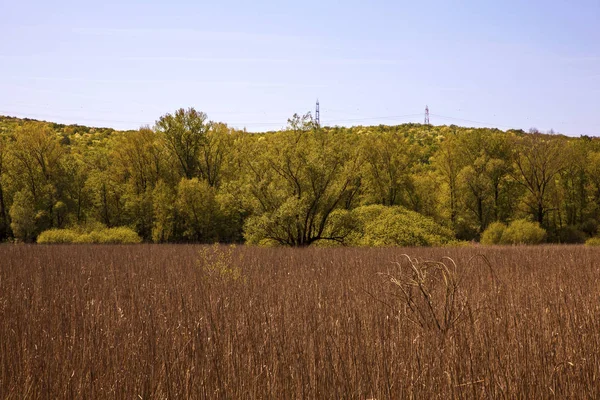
[189, 179]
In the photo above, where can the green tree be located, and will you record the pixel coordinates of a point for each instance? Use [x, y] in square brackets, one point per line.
[75, 196]
[185, 135]
[573, 183]
[198, 209]
[214, 153]
[139, 211]
[389, 159]
[297, 178]
[448, 163]
[107, 191]
[23, 217]
[592, 169]
[37, 155]
[538, 160]
[484, 175]
[164, 209]
[139, 158]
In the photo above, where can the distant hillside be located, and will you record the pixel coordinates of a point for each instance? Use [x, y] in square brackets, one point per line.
[191, 180]
[9, 124]
[427, 136]
[417, 133]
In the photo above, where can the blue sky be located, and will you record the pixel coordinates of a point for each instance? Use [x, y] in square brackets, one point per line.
[509, 64]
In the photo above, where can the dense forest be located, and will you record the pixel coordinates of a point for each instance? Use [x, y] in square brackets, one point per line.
[188, 179]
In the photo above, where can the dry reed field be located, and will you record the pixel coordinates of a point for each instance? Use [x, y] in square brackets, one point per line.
[214, 322]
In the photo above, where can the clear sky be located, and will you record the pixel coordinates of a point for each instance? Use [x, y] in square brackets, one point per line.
[123, 64]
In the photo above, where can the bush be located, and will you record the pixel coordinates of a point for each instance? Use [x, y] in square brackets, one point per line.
[521, 231]
[84, 238]
[493, 233]
[595, 241]
[58, 236]
[120, 235]
[23, 216]
[589, 227]
[570, 234]
[378, 225]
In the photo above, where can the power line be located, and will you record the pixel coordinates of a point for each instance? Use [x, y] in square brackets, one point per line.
[252, 123]
[374, 118]
[474, 122]
[338, 111]
[232, 123]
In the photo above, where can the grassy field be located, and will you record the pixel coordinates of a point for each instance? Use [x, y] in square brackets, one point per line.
[167, 321]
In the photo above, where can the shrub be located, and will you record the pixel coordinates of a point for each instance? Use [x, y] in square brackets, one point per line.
[570, 234]
[58, 236]
[219, 264]
[84, 238]
[595, 241]
[23, 217]
[521, 231]
[493, 233]
[589, 227]
[120, 235]
[378, 225]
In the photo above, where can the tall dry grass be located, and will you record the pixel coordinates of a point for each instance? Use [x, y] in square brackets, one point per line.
[174, 322]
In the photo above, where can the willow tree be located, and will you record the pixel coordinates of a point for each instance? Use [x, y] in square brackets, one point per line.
[296, 179]
[185, 134]
[389, 161]
[139, 158]
[538, 160]
[448, 163]
[484, 174]
[214, 153]
[37, 156]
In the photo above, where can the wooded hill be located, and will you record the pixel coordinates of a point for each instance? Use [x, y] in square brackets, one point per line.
[188, 179]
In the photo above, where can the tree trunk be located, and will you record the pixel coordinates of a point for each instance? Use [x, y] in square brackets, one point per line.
[540, 213]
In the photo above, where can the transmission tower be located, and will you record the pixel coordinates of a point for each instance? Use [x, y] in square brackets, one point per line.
[426, 115]
[318, 115]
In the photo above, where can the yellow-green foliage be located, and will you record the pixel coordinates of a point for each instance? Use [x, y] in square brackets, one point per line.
[522, 231]
[378, 225]
[120, 235]
[115, 235]
[595, 241]
[519, 231]
[58, 236]
[458, 243]
[23, 216]
[218, 263]
[493, 233]
[191, 180]
[84, 238]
